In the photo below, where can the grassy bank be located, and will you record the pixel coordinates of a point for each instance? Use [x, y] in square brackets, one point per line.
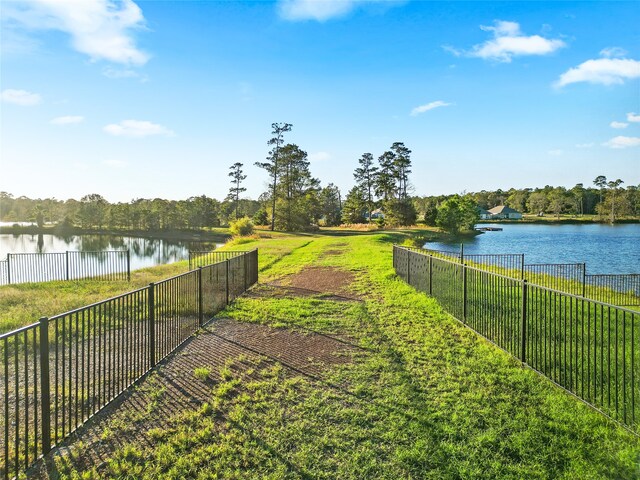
[420, 397]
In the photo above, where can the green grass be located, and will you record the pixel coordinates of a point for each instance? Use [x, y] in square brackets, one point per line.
[423, 396]
[24, 304]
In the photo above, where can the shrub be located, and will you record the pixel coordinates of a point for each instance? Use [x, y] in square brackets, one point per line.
[242, 227]
[202, 373]
[261, 217]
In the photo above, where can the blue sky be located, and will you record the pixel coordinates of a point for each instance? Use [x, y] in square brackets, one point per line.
[158, 98]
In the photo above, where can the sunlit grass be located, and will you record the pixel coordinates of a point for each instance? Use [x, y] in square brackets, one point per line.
[423, 397]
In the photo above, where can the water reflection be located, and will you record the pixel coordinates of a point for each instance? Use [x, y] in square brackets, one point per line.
[144, 252]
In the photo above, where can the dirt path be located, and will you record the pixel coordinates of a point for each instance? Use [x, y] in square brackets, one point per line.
[173, 388]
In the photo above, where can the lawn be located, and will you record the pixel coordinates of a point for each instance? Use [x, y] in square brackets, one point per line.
[420, 397]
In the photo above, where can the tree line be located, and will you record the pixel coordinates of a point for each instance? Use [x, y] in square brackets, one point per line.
[94, 211]
[608, 199]
[295, 200]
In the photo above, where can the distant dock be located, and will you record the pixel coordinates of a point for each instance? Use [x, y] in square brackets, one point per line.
[489, 229]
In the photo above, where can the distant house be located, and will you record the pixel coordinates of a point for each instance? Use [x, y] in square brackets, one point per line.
[377, 214]
[484, 214]
[505, 213]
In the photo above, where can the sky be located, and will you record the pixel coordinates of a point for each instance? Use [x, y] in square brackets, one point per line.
[154, 99]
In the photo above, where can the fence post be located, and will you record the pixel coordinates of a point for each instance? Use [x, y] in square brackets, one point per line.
[152, 325]
[462, 253]
[522, 266]
[255, 267]
[8, 268]
[430, 274]
[464, 293]
[66, 264]
[393, 259]
[45, 387]
[523, 323]
[246, 271]
[408, 266]
[128, 265]
[584, 280]
[227, 279]
[200, 308]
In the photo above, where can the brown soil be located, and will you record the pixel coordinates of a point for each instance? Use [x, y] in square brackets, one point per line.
[329, 253]
[331, 283]
[173, 388]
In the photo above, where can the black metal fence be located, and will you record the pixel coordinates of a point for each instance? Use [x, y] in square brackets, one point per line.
[45, 267]
[568, 277]
[199, 258]
[59, 372]
[590, 348]
[617, 289]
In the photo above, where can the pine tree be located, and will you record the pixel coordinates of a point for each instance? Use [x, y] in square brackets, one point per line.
[365, 176]
[271, 165]
[237, 177]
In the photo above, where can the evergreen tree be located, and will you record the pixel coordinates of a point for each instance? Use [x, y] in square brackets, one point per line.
[330, 205]
[272, 164]
[297, 190]
[354, 206]
[401, 168]
[237, 177]
[365, 176]
[385, 178]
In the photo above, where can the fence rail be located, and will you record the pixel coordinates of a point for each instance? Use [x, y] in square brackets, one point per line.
[198, 258]
[45, 267]
[59, 372]
[590, 348]
[616, 289]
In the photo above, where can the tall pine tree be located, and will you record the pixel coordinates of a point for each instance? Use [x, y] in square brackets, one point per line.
[272, 164]
[237, 177]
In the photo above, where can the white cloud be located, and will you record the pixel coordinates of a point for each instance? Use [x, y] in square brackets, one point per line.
[555, 153]
[618, 125]
[137, 129]
[322, 10]
[67, 120]
[623, 142]
[319, 156]
[429, 106]
[613, 52]
[605, 71]
[117, 74]
[115, 163]
[508, 42]
[632, 117]
[20, 97]
[319, 10]
[98, 28]
[585, 145]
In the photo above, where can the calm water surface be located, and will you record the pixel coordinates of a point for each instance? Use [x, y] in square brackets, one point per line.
[145, 252]
[604, 248]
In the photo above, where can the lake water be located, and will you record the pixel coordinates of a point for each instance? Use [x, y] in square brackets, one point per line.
[145, 252]
[604, 248]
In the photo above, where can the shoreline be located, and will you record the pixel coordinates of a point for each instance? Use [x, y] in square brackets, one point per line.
[564, 221]
[179, 235]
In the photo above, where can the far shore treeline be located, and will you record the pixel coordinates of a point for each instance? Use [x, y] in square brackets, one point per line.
[296, 201]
